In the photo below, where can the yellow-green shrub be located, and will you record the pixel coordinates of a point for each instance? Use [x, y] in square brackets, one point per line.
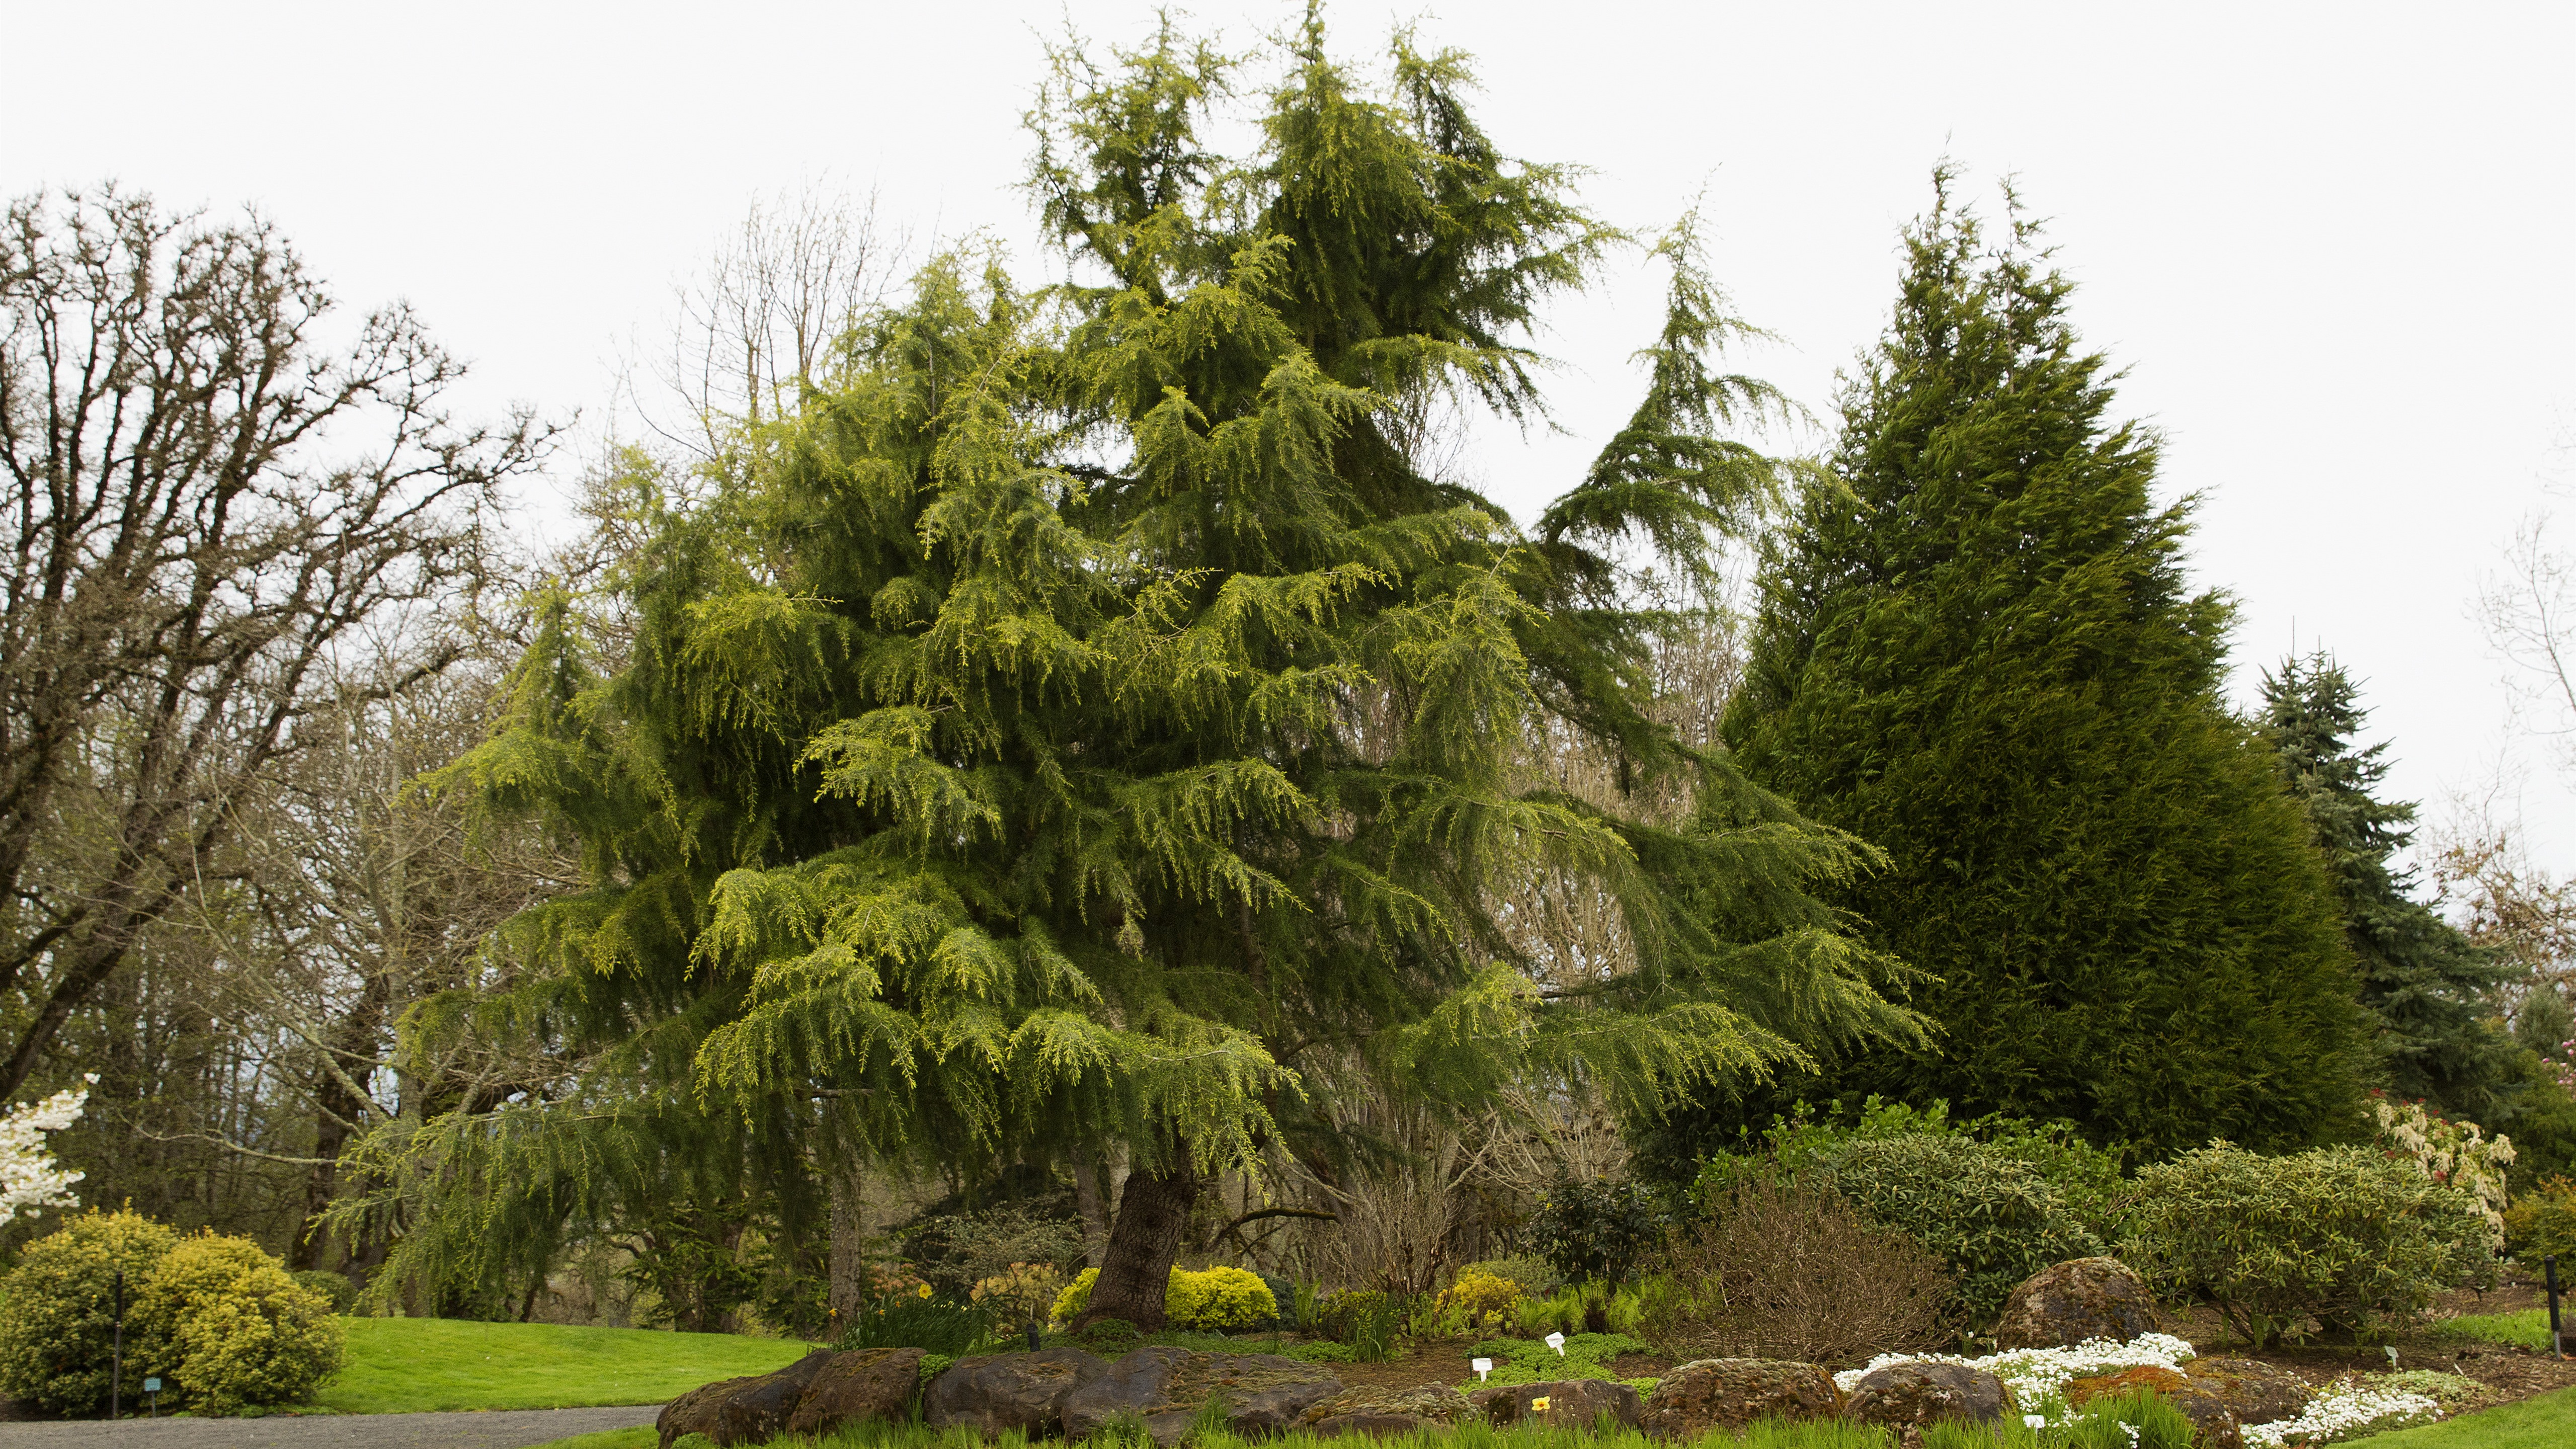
[1482, 1302]
[1075, 1297]
[56, 1326]
[1218, 1298]
[1213, 1298]
[223, 1322]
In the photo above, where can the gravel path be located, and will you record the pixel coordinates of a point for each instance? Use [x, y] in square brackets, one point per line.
[500, 1429]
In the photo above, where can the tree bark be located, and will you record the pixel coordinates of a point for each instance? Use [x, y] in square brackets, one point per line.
[849, 1283]
[1091, 1204]
[1136, 1268]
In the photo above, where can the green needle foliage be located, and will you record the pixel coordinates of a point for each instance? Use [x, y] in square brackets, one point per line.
[1977, 651]
[1088, 720]
[2428, 988]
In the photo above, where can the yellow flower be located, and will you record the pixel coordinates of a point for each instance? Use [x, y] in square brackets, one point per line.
[921, 1292]
[1539, 1404]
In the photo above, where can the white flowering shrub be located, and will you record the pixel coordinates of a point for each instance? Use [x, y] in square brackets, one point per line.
[29, 1177]
[2459, 1154]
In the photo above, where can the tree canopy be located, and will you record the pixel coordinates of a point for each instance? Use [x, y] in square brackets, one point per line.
[1087, 715]
[2428, 988]
[1976, 650]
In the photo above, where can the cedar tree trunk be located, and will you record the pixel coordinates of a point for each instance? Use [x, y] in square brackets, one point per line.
[1137, 1267]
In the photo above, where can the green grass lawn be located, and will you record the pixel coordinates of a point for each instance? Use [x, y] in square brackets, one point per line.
[609, 1439]
[2547, 1422]
[413, 1365]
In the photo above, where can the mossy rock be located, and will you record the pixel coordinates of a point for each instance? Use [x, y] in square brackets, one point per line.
[1729, 1393]
[1165, 1387]
[2254, 1391]
[1375, 1410]
[2213, 1425]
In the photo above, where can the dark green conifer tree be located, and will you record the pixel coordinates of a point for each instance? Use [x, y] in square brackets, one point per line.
[1086, 721]
[1976, 650]
[2429, 989]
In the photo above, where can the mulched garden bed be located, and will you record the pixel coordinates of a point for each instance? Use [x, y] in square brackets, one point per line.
[2509, 1373]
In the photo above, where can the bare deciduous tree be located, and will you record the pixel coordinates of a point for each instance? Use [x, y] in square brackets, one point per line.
[774, 301]
[2529, 610]
[206, 500]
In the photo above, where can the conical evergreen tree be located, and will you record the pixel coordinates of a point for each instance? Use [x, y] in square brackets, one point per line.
[1086, 722]
[2426, 985]
[1976, 650]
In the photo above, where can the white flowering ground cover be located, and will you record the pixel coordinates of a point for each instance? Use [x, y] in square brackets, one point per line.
[2345, 1411]
[2038, 1379]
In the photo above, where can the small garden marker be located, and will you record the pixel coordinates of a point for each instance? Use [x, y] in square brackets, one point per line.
[1482, 1366]
[1556, 1341]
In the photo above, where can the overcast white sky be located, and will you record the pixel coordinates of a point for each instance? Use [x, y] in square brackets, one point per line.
[2335, 245]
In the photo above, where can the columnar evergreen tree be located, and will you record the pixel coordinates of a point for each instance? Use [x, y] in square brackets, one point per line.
[2429, 990]
[1088, 722]
[1977, 651]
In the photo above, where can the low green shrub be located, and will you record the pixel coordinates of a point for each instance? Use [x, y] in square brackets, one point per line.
[57, 1322]
[2542, 1222]
[1535, 1277]
[2453, 1392]
[2086, 1177]
[2527, 1329]
[1109, 1337]
[335, 1288]
[2343, 1236]
[1527, 1361]
[1990, 1217]
[1326, 1352]
[223, 1324]
[1368, 1319]
[918, 1319]
[1283, 1292]
[1558, 1312]
[1598, 1229]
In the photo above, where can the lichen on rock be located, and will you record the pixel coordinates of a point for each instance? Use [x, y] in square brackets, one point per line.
[2068, 1303]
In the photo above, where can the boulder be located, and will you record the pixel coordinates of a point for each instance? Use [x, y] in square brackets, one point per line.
[2067, 1303]
[2254, 1391]
[1264, 1393]
[865, 1383]
[1921, 1393]
[2212, 1425]
[1729, 1393]
[749, 1410]
[1367, 1410]
[995, 1392]
[1569, 1401]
